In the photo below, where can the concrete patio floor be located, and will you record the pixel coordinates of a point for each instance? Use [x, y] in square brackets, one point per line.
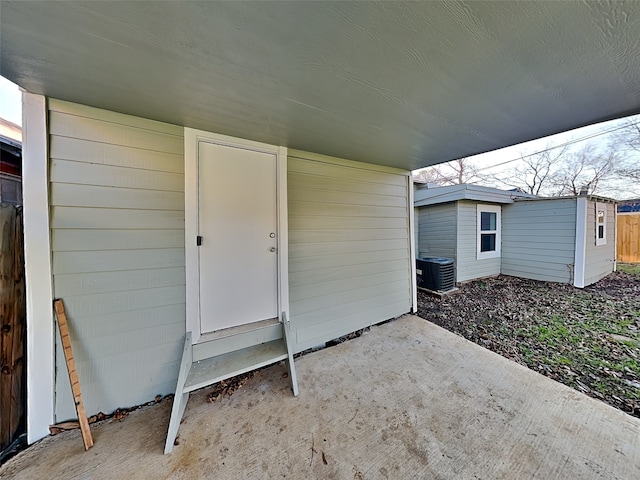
[406, 400]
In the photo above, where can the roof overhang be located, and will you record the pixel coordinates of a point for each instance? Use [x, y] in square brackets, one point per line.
[393, 83]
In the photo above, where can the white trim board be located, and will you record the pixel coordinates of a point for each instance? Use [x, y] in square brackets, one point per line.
[37, 258]
[412, 246]
[581, 242]
[191, 139]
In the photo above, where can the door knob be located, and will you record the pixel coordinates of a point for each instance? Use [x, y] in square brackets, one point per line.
[272, 249]
[272, 235]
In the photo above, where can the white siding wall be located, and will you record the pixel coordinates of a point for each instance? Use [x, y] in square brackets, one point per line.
[349, 256]
[599, 259]
[468, 266]
[437, 231]
[538, 239]
[117, 216]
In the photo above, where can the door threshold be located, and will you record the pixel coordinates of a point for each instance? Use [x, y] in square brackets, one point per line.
[237, 330]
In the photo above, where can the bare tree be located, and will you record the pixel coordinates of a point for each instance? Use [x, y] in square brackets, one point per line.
[535, 173]
[584, 171]
[561, 171]
[455, 172]
[627, 139]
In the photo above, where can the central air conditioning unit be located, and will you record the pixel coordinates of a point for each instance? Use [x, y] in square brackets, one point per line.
[436, 273]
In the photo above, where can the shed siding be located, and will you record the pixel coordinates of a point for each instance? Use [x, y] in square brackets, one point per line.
[468, 266]
[538, 239]
[117, 219]
[599, 259]
[437, 231]
[349, 255]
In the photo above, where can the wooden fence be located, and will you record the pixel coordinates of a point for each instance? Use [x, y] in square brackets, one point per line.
[12, 327]
[628, 235]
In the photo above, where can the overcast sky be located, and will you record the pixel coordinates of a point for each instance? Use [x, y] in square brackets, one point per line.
[10, 101]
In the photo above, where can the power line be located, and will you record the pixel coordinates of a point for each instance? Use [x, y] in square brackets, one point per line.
[566, 144]
[553, 147]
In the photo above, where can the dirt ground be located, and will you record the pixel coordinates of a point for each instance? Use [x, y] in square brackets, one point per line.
[588, 339]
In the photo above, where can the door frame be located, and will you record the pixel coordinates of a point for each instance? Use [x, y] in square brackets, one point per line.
[192, 138]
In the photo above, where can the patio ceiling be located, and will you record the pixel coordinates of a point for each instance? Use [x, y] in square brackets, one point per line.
[400, 84]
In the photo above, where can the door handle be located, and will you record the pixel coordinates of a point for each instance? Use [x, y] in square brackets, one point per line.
[272, 249]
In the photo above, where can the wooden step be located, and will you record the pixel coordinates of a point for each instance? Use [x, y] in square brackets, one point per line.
[236, 338]
[225, 354]
[212, 370]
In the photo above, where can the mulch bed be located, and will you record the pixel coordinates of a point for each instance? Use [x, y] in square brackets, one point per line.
[588, 339]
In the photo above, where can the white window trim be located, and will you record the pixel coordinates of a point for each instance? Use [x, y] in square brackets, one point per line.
[498, 211]
[603, 240]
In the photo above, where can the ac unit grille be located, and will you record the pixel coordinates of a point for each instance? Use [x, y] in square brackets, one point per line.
[436, 273]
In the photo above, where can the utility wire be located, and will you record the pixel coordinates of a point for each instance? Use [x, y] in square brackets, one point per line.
[553, 147]
[560, 145]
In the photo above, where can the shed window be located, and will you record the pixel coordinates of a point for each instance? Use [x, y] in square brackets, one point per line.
[601, 224]
[488, 231]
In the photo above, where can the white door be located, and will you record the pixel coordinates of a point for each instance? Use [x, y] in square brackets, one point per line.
[237, 226]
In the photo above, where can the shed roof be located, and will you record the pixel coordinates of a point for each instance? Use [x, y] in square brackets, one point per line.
[452, 193]
[403, 84]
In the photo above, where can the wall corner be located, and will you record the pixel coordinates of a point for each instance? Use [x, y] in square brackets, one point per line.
[39, 285]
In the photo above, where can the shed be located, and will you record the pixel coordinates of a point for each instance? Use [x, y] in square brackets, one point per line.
[196, 167]
[490, 231]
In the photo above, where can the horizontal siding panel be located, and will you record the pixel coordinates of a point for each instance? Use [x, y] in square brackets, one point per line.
[97, 326]
[542, 254]
[343, 198]
[76, 109]
[87, 217]
[64, 171]
[65, 240]
[347, 273]
[129, 377]
[313, 210]
[74, 195]
[316, 334]
[348, 247]
[117, 217]
[468, 268]
[329, 184]
[301, 250]
[540, 272]
[116, 260]
[544, 224]
[119, 343]
[329, 261]
[112, 302]
[66, 125]
[322, 169]
[538, 239]
[343, 286]
[541, 265]
[320, 322]
[560, 238]
[322, 299]
[78, 150]
[362, 223]
[345, 235]
[118, 281]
